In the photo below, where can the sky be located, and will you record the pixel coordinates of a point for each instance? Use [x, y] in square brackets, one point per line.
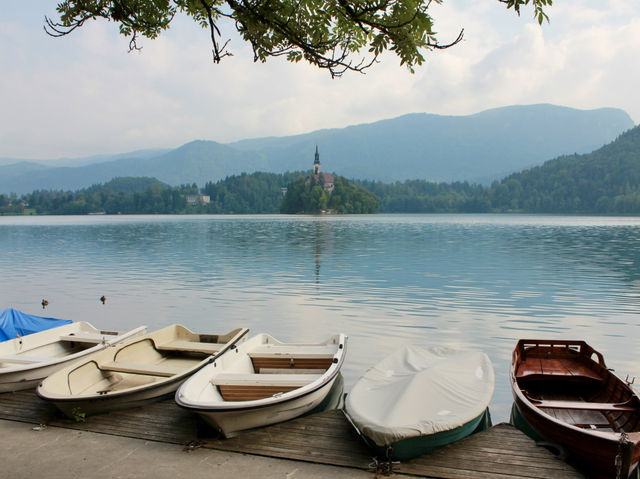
[85, 94]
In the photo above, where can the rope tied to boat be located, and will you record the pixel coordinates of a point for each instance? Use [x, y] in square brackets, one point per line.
[618, 460]
[383, 466]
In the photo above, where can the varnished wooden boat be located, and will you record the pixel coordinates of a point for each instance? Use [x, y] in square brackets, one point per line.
[262, 382]
[26, 360]
[568, 397]
[147, 369]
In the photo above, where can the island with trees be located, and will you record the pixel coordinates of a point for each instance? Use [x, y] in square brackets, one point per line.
[605, 181]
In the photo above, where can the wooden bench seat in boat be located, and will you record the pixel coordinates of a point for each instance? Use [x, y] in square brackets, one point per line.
[284, 357]
[270, 351]
[159, 369]
[23, 359]
[582, 405]
[186, 345]
[248, 387]
[548, 369]
[292, 371]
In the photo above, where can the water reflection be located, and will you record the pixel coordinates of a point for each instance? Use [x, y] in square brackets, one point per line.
[468, 281]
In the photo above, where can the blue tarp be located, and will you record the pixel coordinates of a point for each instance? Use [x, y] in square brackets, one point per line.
[14, 322]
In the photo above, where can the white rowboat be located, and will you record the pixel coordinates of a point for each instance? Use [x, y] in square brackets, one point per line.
[147, 369]
[262, 382]
[26, 360]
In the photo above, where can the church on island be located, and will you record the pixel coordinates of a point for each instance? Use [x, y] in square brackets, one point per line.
[324, 179]
[324, 193]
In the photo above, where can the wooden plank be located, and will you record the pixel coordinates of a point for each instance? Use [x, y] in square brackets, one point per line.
[587, 406]
[276, 380]
[290, 363]
[288, 351]
[501, 452]
[464, 457]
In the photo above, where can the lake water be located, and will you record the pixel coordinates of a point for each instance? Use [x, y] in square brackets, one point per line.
[468, 281]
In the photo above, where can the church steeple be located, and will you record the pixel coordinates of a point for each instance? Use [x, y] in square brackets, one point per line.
[316, 163]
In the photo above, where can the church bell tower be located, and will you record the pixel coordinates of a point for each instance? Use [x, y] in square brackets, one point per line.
[316, 163]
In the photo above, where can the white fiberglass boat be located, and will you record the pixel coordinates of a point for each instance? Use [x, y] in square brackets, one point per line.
[26, 360]
[262, 382]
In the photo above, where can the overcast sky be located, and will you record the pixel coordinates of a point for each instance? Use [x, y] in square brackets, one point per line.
[84, 94]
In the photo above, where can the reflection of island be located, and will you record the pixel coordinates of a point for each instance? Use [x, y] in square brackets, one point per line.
[321, 239]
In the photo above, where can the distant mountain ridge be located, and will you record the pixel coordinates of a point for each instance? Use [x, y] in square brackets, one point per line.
[481, 147]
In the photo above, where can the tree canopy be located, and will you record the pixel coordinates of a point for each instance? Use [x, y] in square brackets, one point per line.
[338, 35]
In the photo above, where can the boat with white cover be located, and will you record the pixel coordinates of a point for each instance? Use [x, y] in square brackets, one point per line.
[421, 398]
[147, 369]
[26, 360]
[262, 382]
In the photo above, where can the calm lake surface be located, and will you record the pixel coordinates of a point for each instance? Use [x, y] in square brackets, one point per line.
[467, 281]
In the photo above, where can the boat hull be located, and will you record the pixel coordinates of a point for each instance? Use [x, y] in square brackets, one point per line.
[603, 452]
[29, 379]
[419, 399]
[263, 382]
[232, 422]
[417, 446]
[589, 452]
[139, 372]
[102, 404]
[18, 377]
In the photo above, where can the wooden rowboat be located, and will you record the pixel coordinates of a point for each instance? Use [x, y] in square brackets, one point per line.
[26, 360]
[419, 399]
[147, 369]
[262, 382]
[568, 397]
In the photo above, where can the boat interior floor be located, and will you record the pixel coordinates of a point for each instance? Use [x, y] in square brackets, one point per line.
[275, 371]
[545, 369]
[580, 405]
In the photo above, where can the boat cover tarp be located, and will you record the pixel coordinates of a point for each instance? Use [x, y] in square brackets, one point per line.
[419, 391]
[15, 323]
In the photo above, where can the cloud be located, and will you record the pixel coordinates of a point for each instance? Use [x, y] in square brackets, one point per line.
[85, 94]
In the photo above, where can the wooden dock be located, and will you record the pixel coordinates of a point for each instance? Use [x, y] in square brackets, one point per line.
[501, 452]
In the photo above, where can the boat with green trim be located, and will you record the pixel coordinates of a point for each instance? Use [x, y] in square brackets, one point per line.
[419, 399]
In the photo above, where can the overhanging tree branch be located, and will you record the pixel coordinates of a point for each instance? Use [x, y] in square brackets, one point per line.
[325, 33]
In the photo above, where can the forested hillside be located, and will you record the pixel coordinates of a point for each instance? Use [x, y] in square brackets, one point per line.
[606, 181]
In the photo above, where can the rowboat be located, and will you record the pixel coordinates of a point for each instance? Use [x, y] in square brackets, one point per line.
[14, 323]
[26, 360]
[421, 398]
[568, 397]
[147, 369]
[263, 381]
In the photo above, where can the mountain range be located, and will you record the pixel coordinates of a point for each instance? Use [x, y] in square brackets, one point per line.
[476, 148]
